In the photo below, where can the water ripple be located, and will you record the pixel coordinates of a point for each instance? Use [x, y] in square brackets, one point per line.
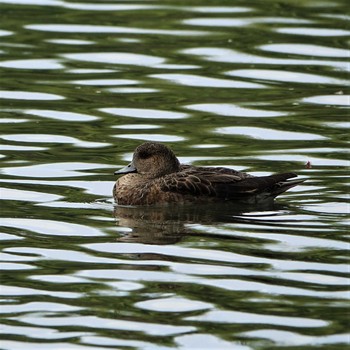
[31, 196]
[32, 64]
[242, 317]
[173, 304]
[306, 49]
[268, 134]
[332, 100]
[200, 81]
[105, 82]
[234, 56]
[96, 322]
[61, 115]
[240, 22]
[50, 227]
[116, 58]
[286, 338]
[255, 88]
[144, 113]
[46, 138]
[87, 28]
[313, 31]
[25, 95]
[285, 76]
[227, 109]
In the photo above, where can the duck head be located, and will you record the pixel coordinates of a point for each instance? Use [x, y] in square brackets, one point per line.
[152, 160]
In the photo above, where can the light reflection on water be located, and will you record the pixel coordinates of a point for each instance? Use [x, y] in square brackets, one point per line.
[235, 56]
[83, 28]
[252, 88]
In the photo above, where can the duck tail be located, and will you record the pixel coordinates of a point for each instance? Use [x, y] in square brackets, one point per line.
[259, 188]
[269, 187]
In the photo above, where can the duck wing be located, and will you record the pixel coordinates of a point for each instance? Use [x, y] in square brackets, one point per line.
[201, 181]
[201, 170]
[219, 184]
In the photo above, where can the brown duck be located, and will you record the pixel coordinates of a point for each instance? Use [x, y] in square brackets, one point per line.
[155, 176]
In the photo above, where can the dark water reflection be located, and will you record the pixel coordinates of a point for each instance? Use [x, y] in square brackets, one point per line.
[169, 224]
[258, 86]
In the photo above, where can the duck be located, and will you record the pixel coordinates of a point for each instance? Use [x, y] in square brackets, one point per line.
[156, 176]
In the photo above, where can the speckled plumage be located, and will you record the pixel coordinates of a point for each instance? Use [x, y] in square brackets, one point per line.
[155, 176]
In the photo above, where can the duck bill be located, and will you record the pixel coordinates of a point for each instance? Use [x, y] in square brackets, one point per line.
[126, 170]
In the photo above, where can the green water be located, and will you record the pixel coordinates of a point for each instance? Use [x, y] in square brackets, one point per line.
[256, 86]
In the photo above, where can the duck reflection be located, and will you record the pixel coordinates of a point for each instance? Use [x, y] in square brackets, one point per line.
[169, 224]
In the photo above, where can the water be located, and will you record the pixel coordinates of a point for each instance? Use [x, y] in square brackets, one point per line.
[258, 86]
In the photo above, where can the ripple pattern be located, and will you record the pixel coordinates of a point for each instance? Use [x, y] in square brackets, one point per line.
[260, 87]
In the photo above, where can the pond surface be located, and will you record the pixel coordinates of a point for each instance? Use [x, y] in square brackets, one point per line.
[258, 86]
